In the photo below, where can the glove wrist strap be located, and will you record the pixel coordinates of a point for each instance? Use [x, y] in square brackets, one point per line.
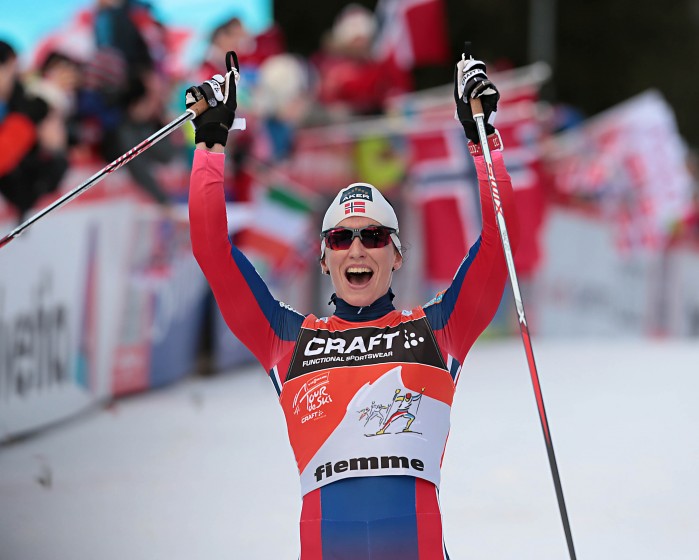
[494, 143]
[211, 133]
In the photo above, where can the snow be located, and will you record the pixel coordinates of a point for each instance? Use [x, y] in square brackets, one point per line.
[203, 469]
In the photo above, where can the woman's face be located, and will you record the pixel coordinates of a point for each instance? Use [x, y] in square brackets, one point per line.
[360, 275]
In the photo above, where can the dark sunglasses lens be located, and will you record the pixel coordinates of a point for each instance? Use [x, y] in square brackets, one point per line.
[372, 237]
[339, 239]
[376, 237]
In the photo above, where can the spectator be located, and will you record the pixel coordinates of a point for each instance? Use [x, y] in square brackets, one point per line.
[116, 28]
[58, 82]
[267, 43]
[283, 100]
[231, 35]
[121, 55]
[142, 117]
[352, 80]
[33, 140]
[252, 51]
[126, 87]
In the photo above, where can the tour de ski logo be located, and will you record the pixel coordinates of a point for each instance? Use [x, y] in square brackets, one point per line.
[312, 397]
[394, 417]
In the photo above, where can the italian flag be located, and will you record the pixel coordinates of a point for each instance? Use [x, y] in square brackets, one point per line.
[279, 232]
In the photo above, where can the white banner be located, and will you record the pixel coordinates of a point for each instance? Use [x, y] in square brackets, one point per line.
[587, 286]
[57, 292]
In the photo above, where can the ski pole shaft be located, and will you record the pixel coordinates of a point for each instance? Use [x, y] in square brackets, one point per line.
[478, 115]
[194, 111]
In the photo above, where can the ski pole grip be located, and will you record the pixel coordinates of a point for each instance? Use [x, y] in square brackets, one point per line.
[199, 107]
[202, 105]
[476, 107]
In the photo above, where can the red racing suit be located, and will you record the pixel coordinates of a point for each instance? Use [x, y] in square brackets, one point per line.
[366, 392]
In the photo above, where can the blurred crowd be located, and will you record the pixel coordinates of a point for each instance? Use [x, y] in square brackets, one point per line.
[95, 90]
[115, 75]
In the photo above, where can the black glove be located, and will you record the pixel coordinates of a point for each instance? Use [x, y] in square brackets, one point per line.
[471, 82]
[211, 127]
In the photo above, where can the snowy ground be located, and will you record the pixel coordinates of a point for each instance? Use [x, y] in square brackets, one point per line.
[203, 470]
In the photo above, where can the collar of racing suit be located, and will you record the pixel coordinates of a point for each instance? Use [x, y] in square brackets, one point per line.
[355, 314]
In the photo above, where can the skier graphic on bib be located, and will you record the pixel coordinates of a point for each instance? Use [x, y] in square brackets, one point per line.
[406, 402]
[373, 411]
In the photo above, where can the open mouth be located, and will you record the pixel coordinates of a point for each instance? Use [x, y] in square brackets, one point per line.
[359, 276]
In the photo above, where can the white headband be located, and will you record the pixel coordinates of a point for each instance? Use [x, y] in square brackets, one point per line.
[361, 199]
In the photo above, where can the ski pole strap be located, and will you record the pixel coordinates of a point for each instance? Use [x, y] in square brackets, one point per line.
[494, 143]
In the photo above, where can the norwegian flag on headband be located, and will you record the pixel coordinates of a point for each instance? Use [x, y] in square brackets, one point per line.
[355, 206]
[412, 32]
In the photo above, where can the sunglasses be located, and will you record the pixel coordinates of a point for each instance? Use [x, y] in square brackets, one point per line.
[372, 237]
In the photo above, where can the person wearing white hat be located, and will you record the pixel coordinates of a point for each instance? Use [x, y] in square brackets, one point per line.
[370, 486]
[361, 272]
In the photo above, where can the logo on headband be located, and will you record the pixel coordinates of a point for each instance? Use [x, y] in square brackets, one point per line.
[355, 206]
[361, 192]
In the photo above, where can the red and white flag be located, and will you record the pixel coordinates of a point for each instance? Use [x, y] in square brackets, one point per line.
[355, 206]
[412, 32]
[443, 179]
[629, 163]
[521, 132]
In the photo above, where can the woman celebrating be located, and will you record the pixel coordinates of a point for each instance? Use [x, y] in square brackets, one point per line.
[366, 392]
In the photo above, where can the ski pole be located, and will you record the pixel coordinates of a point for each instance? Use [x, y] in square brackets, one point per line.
[194, 111]
[478, 115]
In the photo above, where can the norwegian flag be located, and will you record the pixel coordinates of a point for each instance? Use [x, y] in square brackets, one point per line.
[412, 32]
[521, 133]
[355, 206]
[443, 176]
